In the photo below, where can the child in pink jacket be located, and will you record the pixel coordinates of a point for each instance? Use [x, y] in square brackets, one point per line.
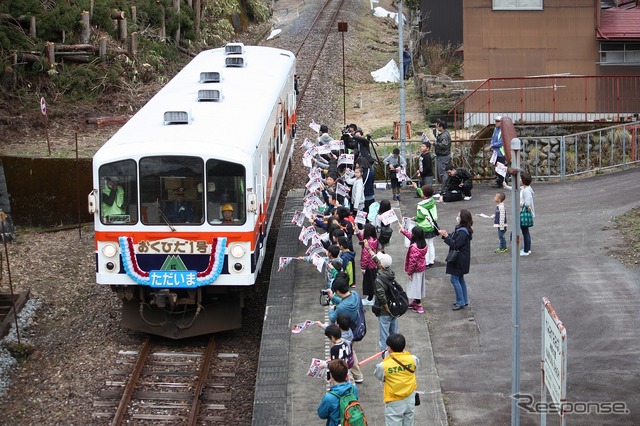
[414, 265]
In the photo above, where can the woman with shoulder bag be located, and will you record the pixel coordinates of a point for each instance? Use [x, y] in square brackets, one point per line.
[527, 212]
[458, 264]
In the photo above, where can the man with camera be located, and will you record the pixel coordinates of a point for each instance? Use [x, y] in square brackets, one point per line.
[355, 141]
[442, 150]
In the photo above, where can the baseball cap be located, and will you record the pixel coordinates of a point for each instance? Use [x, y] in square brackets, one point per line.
[498, 118]
[384, 259]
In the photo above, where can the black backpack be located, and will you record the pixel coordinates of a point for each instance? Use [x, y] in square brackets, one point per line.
[397, 297]
[385, 234]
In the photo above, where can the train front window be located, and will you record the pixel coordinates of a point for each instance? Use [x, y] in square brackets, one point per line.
[226, 193]
[170, 190]
[118, 193]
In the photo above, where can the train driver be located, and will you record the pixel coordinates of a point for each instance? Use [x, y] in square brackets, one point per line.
[179, 211]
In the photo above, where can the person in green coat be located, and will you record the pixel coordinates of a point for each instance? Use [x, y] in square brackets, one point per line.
[112, 198]
[426, 218]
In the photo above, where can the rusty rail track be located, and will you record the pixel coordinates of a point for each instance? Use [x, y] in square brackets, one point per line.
[185, 387]
[311, 48]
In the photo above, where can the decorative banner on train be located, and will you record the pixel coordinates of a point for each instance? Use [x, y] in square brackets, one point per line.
[173, 273]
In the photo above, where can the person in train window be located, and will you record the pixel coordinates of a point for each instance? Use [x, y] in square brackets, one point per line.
[112, 197]
[227, 214]
[179, 211]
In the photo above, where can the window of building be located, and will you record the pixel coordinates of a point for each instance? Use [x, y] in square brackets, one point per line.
[620, 53]
[517, 5]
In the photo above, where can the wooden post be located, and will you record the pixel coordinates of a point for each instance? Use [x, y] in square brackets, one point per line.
[176, 6]
[133, 47]
[196, 17]
[122, 29]
[50, 53]
[134, 15]
[32, 27]
[163, 27]
[91, 4]
[102, 47]
[86, 27]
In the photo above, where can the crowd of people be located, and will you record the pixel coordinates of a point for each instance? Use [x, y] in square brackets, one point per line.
[340, 203]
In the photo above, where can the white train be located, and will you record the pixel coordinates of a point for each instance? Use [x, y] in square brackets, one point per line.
[185, 192]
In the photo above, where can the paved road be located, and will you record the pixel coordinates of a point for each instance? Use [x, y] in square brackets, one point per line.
[594, 295]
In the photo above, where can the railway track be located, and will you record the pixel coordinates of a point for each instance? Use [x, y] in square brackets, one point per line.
[189, 385]
[311, 48]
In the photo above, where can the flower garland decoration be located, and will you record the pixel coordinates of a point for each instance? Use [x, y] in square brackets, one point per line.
[209, 275]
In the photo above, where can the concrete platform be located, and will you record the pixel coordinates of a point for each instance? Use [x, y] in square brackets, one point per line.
[466, 355]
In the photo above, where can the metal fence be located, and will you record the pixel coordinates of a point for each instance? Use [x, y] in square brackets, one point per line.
[549, 157]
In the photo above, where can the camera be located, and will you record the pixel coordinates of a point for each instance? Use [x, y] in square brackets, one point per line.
[324, 297]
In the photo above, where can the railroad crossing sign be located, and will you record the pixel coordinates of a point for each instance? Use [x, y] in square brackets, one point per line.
[43, 106]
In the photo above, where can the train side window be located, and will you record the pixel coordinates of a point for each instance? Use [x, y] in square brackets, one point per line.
[226, 193]
[118, 193]
[170, 190]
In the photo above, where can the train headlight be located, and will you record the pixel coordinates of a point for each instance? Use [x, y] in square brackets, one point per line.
[238, 267]
[237, 250]
[110, 250]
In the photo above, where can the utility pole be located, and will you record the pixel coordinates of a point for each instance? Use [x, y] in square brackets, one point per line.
[403, 126]
[515, 282]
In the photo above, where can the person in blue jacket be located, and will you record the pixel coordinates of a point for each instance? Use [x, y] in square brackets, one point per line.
[329, 407]
[460, 240]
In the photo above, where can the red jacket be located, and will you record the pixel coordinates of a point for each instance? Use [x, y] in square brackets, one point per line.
[415, 260]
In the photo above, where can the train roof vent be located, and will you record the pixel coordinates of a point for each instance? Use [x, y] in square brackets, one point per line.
[176, 117]
[210, 77]
[234, 61]
[234, 49]
[209, 95]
